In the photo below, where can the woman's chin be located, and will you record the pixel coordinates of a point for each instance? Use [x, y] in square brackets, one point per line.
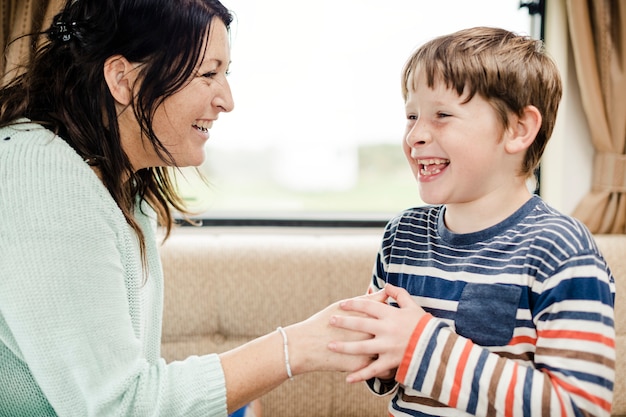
[192, 160]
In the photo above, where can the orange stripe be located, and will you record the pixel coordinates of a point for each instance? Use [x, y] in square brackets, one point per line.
[408, 353]
[518, 340]
[572, 334]
[510, 395]
[458, 377]
[605, 405]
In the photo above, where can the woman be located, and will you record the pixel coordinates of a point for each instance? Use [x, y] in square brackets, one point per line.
[118, 93]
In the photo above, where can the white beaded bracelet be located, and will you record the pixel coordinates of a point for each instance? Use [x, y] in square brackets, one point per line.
[286, 350]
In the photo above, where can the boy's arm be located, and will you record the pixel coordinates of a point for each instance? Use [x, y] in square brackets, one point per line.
[455, 371]
[571, 373]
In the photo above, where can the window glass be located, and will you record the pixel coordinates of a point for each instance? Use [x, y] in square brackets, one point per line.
[319, 117]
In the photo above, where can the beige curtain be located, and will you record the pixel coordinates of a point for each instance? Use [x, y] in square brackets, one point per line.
[597, 31]
[19, 17]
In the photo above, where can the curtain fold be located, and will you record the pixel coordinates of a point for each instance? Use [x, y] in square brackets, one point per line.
[19, 17]
[597, 30]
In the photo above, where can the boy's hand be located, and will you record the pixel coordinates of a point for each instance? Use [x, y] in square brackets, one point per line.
[390, 327]
[308, 340]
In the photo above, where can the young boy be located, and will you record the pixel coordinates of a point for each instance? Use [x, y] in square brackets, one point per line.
[510, 309]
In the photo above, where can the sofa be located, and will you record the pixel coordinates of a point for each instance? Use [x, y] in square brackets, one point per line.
[225, 286]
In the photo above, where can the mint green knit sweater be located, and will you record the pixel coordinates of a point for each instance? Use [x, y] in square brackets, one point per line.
[79, 333]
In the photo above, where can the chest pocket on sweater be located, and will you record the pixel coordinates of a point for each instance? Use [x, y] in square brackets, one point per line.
[486, 313]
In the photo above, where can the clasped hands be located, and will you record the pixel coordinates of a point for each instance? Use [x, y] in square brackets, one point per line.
[383, 331]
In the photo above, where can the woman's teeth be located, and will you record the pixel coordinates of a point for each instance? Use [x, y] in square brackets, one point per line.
[201, 128]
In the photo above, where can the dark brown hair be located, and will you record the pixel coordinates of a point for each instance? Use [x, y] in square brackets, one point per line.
[63, 87]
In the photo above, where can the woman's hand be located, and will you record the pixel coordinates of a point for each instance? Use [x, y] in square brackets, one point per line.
[309, 340]
[390, 329]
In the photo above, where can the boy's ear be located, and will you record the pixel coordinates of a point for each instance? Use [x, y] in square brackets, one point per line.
[120, 76]
[523, 130]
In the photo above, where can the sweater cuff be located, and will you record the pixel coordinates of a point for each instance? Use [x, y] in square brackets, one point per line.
[197, 386]
[216, 387]
[380, 387]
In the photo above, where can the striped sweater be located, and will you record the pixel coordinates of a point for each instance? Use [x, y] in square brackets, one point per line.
[520, 316]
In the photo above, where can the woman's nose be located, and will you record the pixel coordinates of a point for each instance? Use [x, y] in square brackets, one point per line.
[224, 98]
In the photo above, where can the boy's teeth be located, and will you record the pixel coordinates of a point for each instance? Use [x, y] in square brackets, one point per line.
[432, 166]
[432, 161]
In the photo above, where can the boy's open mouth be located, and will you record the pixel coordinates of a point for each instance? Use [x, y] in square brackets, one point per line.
[432, 166]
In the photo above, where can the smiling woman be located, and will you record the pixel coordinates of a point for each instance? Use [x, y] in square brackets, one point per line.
[183, 119]
[85, 182]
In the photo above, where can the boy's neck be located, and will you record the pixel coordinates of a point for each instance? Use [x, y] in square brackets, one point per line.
[481, 214]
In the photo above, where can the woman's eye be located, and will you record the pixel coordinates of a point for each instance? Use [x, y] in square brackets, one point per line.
[411, 117]
[213, 74]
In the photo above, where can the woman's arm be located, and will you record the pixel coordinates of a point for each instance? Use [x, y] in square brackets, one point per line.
[257, 367]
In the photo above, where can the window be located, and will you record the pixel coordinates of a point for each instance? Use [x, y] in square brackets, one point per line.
[319, 118]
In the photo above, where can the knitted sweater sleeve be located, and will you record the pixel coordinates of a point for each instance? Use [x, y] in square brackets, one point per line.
[67, 344]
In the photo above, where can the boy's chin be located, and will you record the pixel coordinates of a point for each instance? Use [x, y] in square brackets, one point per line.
[430, 199]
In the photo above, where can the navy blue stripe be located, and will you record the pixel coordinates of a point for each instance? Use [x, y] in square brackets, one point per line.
[425, 361]
[480, 366]
[528, 386]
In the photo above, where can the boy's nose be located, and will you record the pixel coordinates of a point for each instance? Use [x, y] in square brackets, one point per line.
[418, 135]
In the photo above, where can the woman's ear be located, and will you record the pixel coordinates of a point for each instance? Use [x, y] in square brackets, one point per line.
[120, 76]
[523, 131]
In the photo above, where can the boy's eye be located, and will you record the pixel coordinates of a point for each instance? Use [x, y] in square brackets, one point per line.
[441, 115]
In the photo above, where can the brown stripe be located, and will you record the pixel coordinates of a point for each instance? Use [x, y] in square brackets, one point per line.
[441, 371]
[528, 357]
[545, 396]
[493, 387]
[576, 354]
[426, 401]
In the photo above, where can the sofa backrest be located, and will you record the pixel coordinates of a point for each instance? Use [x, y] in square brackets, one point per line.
[223, 288]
